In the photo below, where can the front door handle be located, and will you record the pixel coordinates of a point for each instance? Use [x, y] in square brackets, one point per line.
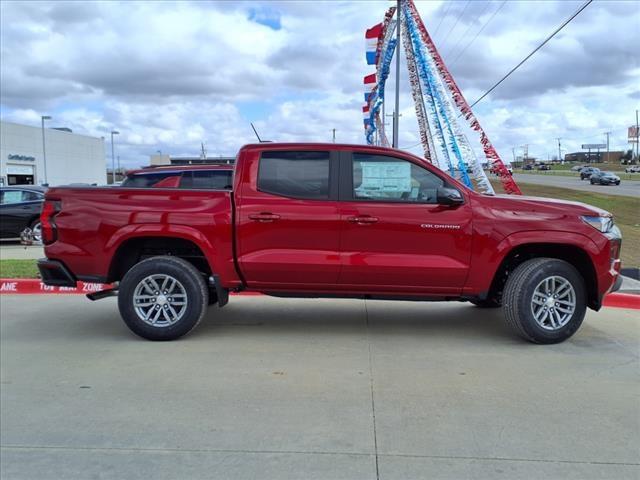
[264, 217]
[362, 219]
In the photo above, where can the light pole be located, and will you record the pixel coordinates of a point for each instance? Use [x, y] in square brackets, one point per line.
[113, 158]
[396, 117]
[44, 151]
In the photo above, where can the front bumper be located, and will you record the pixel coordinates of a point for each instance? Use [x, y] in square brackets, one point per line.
[55, 274]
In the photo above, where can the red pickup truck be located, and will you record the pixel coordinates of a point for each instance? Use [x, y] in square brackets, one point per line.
[314, 220]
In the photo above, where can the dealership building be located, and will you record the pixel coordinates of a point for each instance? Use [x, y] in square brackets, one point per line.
[70, 158]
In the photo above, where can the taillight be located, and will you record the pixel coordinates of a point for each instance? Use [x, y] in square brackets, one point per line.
[50, 208]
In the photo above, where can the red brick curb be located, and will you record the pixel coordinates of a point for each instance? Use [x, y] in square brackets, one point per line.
[35, 286]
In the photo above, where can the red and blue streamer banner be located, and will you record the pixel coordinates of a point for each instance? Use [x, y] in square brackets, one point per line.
[490, 152]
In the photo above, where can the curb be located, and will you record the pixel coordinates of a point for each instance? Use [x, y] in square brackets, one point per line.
[35, 286]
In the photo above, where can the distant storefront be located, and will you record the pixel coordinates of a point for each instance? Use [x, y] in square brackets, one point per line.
[71, 158]
[594, 157]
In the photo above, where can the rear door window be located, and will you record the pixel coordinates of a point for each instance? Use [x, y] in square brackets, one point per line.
[207, 179]
[303, 174]
[28, 196]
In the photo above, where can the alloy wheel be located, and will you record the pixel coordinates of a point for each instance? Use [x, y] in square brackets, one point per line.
[553, 303]
[160, 300]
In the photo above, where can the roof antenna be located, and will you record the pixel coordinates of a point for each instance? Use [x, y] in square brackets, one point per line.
[256, 132]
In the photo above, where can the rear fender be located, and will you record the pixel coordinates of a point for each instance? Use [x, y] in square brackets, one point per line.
[184, 232]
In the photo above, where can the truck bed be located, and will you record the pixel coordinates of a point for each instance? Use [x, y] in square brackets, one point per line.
[95, 222]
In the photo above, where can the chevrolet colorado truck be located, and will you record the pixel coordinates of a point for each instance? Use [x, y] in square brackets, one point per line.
[330, 220]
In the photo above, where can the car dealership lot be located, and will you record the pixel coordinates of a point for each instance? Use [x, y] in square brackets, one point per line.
[270, 388]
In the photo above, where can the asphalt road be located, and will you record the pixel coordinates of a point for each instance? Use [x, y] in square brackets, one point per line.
[326, 389]
[627, 188]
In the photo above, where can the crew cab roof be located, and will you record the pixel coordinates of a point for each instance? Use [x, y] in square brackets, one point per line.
[312, 145]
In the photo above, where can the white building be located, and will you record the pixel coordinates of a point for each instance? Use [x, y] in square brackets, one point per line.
[71, 158]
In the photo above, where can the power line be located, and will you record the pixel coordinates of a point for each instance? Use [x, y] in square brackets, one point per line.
[478, 34]
[486, 6]
[456, 22]
[411, 146]
[443, 17]
[586, 4]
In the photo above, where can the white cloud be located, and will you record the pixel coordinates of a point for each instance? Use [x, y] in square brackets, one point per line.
[170, 75]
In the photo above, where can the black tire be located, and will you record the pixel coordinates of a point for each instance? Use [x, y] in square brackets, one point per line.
[518, 294]
[192, 283]
[592, 182]
[488, 303]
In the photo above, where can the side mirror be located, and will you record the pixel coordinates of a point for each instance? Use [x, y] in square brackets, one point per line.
[449, 196]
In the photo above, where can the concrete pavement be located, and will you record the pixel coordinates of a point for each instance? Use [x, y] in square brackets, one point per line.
[269, 388]
[627, 188]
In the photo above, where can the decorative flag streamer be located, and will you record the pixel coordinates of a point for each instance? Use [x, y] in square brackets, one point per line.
[490, 152]
[418, 101]
[376, 101]
[432, 99]
[371, 39]
[435, 95]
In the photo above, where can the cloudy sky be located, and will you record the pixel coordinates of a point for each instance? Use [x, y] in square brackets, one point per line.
[169, 75]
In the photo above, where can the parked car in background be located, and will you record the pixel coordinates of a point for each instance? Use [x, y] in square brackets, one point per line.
[604, 178]
[586, 172]
[183, 176]
[19, 209]
[528, 167]
[633, 169]
[544, 166]
[577, 168]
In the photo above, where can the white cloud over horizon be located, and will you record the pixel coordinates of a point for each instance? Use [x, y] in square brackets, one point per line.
[169, 75]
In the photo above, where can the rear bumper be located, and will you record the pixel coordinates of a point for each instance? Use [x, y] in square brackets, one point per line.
[55, 274]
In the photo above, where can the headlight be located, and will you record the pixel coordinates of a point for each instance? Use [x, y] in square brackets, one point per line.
[602, 224]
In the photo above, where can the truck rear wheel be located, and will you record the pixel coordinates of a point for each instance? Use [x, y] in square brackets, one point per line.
[162, 298]
[544, 300]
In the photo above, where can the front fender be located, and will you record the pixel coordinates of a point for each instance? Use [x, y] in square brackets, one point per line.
[485, 264]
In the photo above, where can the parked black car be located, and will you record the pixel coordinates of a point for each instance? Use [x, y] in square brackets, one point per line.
[604, 178]
[19, 209]
[586, 172]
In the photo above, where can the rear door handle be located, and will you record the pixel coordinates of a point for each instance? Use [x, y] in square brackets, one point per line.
[264, 217]
[362, 219]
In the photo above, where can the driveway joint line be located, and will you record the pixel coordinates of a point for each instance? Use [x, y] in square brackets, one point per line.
[373, 402]
[301, 452]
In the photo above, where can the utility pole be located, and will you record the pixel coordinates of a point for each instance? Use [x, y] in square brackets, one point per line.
[44, 151]
[334, 135]
[637, 139]
[559, 151]
[396, 119]
[113, 158]
[607, 134]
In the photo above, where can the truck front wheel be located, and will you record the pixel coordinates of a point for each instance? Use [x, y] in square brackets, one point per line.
[544, 300]
[162, 298]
